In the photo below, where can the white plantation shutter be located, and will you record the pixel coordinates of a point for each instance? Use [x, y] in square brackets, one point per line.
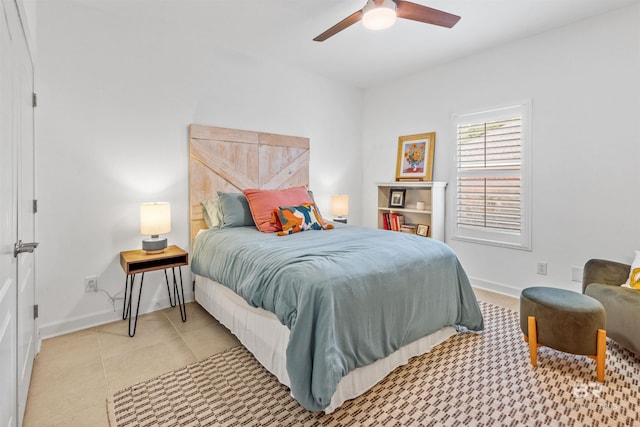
[492, 173]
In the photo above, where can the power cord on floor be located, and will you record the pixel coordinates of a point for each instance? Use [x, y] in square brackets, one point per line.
[113, 298]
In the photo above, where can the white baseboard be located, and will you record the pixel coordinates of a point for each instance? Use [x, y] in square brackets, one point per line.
[496, 287]
[79, 323]
[513, 291]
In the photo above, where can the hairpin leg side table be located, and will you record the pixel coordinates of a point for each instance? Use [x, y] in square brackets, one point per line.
[139, 262]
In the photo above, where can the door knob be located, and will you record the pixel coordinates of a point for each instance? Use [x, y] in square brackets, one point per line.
[24, 247]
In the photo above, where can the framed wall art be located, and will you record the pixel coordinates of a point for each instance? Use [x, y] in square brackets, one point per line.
[415, 157]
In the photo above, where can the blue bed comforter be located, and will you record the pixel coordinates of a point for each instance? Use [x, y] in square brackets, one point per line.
[349, 296]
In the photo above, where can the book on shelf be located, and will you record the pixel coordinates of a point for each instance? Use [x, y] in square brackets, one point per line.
[396, 222]
[393, 217]
[408, 228]
[385, 221]
[393, 220]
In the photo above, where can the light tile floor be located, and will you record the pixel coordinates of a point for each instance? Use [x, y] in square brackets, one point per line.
[73, 374]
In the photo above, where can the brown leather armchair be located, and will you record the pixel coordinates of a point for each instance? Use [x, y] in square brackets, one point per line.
[601, 280]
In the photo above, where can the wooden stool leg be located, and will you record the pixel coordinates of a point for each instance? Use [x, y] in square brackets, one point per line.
[533, 340]
[601, 354]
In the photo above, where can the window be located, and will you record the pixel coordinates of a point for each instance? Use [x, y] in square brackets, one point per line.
[492, 182]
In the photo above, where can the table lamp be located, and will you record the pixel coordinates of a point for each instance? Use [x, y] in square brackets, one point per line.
[155, 219]
[340, 207]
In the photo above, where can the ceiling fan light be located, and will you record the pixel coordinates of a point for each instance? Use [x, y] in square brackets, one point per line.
[379, 17]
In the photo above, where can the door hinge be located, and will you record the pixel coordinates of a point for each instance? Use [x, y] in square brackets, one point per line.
[34, 99]
[35, 311]
[35, 206]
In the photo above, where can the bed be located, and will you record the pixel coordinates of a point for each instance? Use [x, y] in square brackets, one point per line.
[328, 312]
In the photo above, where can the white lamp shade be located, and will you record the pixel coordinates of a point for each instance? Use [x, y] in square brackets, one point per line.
[155, 218]
[340, 204]
[379, 17]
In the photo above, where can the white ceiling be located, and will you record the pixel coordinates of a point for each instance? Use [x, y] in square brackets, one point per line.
[282, 30]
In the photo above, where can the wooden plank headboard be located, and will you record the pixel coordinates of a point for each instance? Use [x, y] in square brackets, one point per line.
[233, 160]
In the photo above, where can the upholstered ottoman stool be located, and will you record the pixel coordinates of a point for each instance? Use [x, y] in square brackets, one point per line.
[565, 321]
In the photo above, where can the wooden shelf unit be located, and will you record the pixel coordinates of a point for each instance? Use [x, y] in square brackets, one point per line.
[431, 193]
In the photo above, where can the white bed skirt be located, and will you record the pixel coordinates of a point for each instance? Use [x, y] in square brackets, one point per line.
[266, 338]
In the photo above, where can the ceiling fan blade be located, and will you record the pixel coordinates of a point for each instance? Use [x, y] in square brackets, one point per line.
[418, 12]
[346, 22]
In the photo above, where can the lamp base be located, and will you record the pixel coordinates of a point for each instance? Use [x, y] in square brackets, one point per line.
[341, 219]
[154, 245]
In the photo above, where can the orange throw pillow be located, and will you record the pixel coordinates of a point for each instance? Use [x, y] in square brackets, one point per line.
[263, 202]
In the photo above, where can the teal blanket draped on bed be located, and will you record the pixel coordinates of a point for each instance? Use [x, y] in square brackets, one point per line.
[349, 296]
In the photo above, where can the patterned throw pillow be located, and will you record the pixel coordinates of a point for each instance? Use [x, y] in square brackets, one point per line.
[275, 219]
[263, 202]
[634, 278]
[300, 218]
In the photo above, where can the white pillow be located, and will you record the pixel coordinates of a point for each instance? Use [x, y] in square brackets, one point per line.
[211, 212]
[635, 264]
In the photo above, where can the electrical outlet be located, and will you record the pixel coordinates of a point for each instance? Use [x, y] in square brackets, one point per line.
[91, 284]
[541, 268]
[576, 274]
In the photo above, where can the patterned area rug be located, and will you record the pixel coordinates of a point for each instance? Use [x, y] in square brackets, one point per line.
[470, 379]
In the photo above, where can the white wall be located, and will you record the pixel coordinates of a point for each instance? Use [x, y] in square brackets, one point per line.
[28, 15]
[117, 89]
[583, 81]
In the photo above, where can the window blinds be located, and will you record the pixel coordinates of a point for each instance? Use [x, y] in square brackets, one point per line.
[489, 163]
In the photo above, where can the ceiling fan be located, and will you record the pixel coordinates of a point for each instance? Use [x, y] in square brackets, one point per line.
[380, 14]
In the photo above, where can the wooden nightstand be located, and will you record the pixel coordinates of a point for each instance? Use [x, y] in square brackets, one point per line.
[138, 261]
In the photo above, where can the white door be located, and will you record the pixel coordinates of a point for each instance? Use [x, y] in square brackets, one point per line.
[8, 230]
[23, 96]
[17, 291]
